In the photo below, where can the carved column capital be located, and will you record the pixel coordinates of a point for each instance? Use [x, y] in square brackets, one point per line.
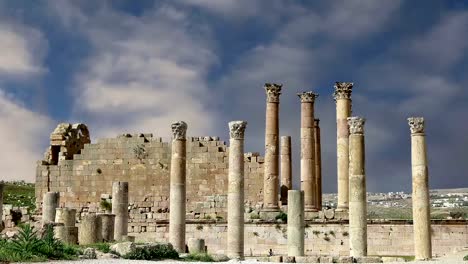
[356, 125]
[237, 129]
[307, 97]
[343, 90]
[416, 125]
[273, 92]
[179, 130]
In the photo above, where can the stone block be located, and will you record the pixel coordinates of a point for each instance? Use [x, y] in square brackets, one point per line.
[368, 260]
[307, 259]
[288, 259]
[276, 259]
[343, 259]
[326, 259]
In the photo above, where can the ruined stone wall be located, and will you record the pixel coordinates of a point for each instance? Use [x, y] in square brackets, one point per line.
[389, 239]
[144, 161]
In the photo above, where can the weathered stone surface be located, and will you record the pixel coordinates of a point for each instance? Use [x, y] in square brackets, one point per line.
[368, 260]
[196, 245]
[270, 177]
[88, 230]
[89, 253]
[342, 96]
[295, 223]
[123, 248]
[1, 207]
[178, 187]
[286, 168]
[357, 189]
[120, 209]
[420, 196]
[65, 141]
[318, 164]
[49, 204]
[235, 229]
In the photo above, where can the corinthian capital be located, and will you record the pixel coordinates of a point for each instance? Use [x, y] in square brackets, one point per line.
[179, 130]
[356, 125]
[307, 97]
[343, 90]
[237, 129]
[416, 125]
[273, 92]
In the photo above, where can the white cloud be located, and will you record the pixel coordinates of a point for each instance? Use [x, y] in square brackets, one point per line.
[22, 50]
[22, 132]
[145, 74]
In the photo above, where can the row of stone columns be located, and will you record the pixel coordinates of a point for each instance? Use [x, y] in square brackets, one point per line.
[310, 153]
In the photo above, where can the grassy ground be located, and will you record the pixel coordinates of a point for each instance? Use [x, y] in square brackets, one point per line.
[19, 194]
[376, 212]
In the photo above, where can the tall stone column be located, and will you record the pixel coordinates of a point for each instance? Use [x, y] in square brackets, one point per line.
[286, 168]
[177, 187]
[421, 205]
[342, 96]
[318, 163]
[120, 209]
[235, 228]
[50, 202]
[357, 189]
[270, 180]
[88, 230]
[308, 178]
[296, 223]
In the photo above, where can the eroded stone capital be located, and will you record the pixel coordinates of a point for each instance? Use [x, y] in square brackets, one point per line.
[273, 92]
[307, 97]
[179, 130]
[416, 125]
[237, 129]
[343, 90]
[356, 125]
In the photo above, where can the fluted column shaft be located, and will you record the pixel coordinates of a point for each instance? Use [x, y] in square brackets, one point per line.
[177, 187]
[1, 204]
[357, 189]
[318, 164]
[342, 96]
[235, 228]
[286, 168]
[308, 179]
[420, 196]
[120, 209]
[271, 181]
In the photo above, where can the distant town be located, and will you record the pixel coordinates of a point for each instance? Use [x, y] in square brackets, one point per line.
[444, 198]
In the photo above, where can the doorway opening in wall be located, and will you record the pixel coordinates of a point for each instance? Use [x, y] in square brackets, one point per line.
[55, 150]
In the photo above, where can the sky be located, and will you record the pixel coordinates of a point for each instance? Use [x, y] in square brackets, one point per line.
[137, 66]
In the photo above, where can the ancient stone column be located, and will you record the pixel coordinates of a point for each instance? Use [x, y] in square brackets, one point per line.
[50, 202]
[318, 164]
[357, 189]
[420, 197]
[270, 180]
[296, 223]
[235, 226]
[196, 245]
[177, 187]
[107, 227]
[308, 180]
[68, 232]
[120, 209]
[88, 230]
[342, 96]
[286, 168]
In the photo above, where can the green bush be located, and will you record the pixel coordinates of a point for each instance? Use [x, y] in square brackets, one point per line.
[105, 205]
[202, 257]
[465, 258]
[28, 246]
[282, 216]
[153, 252]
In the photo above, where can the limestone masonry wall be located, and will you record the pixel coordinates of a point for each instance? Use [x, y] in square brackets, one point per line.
[144, 161]
[390, 239]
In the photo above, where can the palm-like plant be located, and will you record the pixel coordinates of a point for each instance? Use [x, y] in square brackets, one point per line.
[26, 241]
[51, 246]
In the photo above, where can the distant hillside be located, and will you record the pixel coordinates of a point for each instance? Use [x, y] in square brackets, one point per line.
[19, 194]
